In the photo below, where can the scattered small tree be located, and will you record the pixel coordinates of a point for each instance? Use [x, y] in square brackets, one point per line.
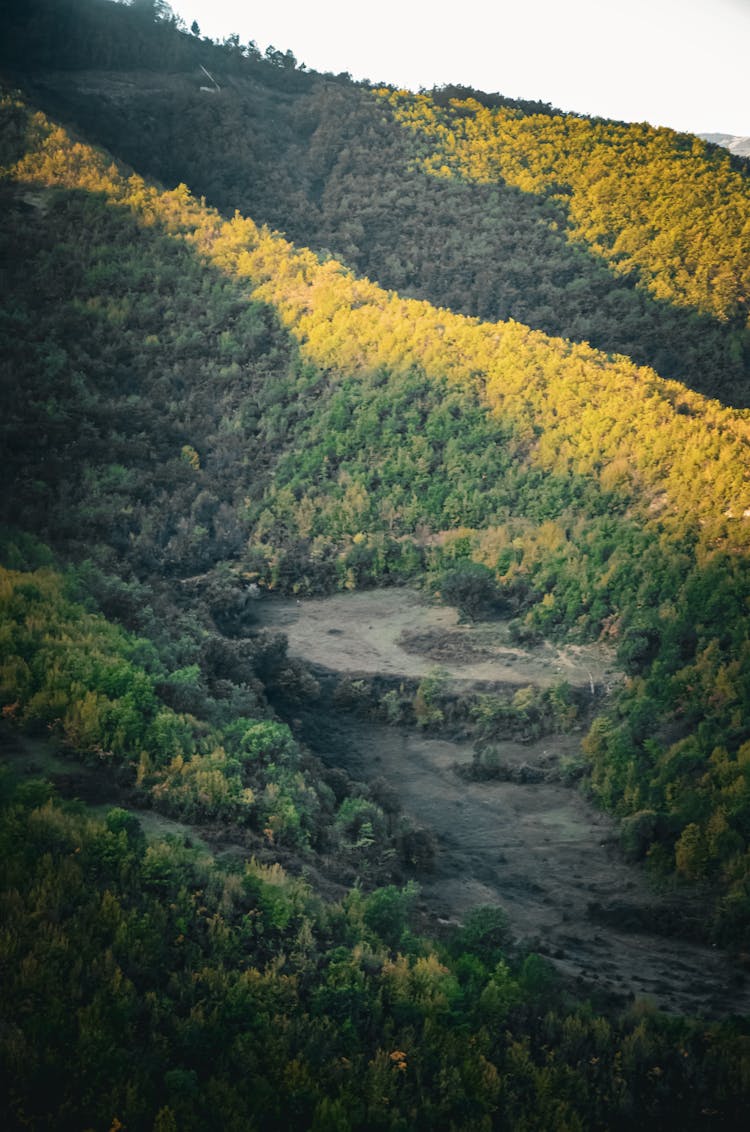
[472, 588]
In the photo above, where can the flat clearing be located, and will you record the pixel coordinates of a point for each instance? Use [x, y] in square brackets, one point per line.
[400, 632]
[543, 853]
[537, 848]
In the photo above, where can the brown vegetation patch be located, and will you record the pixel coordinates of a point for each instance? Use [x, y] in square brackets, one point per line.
[442, 645]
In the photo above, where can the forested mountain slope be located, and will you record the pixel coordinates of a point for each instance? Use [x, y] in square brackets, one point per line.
[601, 497]
[190, 404]
[630, 238]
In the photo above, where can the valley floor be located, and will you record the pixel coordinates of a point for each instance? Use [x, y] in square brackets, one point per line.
[538, 848]
[398, 632]
[532, 843]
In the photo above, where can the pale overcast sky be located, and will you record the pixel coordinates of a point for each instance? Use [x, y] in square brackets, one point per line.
[678, 63]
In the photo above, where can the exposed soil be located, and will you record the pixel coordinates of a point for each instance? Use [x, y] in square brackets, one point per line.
[536, 847]
[399, 632]
[528, 842]
[552, 861]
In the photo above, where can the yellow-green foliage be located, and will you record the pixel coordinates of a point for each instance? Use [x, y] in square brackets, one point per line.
[71, 671]
[596, 497]
[140, 958]
[75, 674]
[599, 494]
[664, 206]
[572, 408]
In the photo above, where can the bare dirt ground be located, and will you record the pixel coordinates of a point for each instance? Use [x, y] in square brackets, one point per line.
[543, 853]
[536, 848]
[539, 849]
[399, 632]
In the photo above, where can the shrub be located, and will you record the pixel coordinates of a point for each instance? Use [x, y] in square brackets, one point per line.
[472, 588]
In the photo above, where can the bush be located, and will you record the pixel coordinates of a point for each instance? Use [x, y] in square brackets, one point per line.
[485, 934]
[386, 912]
[638, 832]
[472, 588]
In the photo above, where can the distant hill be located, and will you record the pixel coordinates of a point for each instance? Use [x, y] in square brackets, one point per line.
[738, 145]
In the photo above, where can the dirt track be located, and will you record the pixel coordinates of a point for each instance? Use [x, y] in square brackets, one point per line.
[538, 849]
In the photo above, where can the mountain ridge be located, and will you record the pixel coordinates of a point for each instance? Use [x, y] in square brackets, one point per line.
[738, 144]
[350, 325]
[568, 448]
[309, 165]
[199, 412]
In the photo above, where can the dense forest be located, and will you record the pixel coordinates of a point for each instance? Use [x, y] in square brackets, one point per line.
[265, 331]
[340, 168]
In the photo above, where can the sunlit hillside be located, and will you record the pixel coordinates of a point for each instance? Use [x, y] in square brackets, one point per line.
[243, 360]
